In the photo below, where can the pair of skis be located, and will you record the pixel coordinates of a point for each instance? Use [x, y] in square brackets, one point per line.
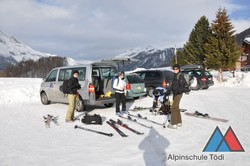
[50, 118]
[136, 108]
[114, 125]
[198, 114]
[129, 118]
[139, 116]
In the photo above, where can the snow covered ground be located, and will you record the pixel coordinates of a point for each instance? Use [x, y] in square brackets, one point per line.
[25, 141]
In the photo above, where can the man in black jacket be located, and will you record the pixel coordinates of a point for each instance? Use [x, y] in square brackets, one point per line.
[73, 86]
[176, 88]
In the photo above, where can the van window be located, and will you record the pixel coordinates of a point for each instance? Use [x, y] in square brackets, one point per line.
[134, 79]
[65, 74]
[52, 76]
[153, 75]
[108, 72]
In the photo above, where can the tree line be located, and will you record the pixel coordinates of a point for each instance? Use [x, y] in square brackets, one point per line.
[34, 68]
[213, 46]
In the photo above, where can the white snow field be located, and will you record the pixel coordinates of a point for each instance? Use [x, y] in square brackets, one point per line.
[25, 141]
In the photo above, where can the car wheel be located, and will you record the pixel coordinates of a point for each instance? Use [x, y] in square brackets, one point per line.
[109, 105]
[136, 98]
[80, 107]
[150, 92]
[44, 98]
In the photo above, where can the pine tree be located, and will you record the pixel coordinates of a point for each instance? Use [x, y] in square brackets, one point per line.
[222, 51]
[194, 51]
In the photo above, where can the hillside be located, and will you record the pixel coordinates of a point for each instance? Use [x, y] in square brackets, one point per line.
[241, 36]
[13, 51]
[148, 57]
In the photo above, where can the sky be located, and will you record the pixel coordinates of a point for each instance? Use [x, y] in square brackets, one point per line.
[98, 29]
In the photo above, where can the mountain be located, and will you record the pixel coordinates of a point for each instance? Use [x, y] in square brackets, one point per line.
[241, 36]
[13, 51]
[148, 57]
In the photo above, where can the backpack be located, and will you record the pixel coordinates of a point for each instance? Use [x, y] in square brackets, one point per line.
[113, 80]
[65, 87]
[187, 82]
[92, 119]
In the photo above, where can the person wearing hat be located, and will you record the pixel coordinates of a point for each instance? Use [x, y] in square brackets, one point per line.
[176, 87]
[120, 94]
[72, 95]
[158, 95]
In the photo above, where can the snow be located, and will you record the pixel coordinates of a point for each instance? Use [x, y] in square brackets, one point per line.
[11, 47]
[24, 140]
[247, 40]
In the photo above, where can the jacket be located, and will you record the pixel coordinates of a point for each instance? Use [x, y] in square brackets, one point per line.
[177, 84]
[73, 85]
[121, 86]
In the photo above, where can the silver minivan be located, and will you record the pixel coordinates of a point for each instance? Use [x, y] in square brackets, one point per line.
[95, 80]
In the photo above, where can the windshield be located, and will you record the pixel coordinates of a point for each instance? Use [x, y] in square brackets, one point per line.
[134, 79]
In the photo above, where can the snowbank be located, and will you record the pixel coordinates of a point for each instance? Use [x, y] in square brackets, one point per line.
[24, 140]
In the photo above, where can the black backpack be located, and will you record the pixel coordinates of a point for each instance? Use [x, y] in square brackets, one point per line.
[92, 119]
[187, 82]
[65, 87]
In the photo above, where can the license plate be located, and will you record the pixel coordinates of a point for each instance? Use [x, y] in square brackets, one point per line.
[138, 87]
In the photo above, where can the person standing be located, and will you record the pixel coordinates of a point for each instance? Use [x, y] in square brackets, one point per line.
[120, 94]
[73, 87]
[176, 87]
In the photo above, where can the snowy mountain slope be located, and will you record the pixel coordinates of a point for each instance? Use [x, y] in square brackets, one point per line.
[24, 140]
[148, 57]
[13, 51]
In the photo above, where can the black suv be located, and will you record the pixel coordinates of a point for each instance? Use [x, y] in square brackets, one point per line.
[202, 77]
[155, 78]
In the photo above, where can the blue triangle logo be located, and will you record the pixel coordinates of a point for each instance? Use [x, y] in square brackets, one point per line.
[223, 147]
[214, 141]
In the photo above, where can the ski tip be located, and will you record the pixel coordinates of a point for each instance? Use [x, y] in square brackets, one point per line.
[111, 134]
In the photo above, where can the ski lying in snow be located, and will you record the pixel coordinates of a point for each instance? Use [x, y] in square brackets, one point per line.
[119, 122]
[139, 108]
[135, 121]
[48, 119]
[205, 116]
[114, 126]
[145, 118]
[94, 131]
[53, 119]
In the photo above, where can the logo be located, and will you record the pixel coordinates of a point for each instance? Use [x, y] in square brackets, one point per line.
[227, 143]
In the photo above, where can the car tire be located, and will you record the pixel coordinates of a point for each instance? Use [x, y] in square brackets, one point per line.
[136, 98]
[44, 98]
[109, 105]
[80, 106]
